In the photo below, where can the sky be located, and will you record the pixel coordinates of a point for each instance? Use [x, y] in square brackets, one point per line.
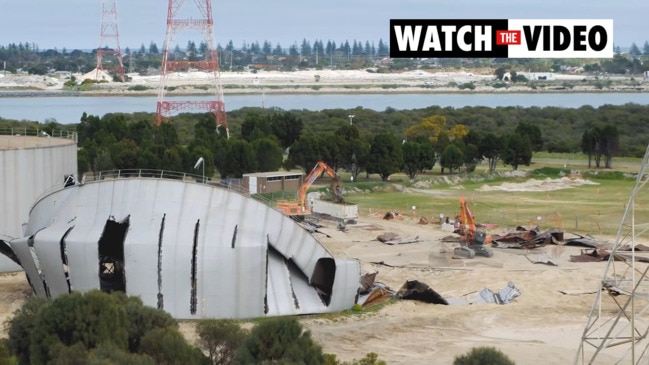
[75, 24]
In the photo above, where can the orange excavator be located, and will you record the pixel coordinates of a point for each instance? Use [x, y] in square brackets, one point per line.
[473, 241]
[299, 208]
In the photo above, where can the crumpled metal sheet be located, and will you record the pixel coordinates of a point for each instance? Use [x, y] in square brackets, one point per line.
[487, 296]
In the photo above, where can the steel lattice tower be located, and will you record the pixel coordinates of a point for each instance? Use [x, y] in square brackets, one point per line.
[210, 62]
[619, 319]
[109, 41]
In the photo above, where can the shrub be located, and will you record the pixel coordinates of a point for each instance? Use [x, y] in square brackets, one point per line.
[483, 355]
[466, 85]
[280, 338]
[138, 88]
[220, 339]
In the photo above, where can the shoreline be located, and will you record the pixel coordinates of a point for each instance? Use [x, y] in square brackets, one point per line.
[300, 91]
[319, 82]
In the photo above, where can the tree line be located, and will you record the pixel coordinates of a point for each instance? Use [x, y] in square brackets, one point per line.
[357, 54]
[382, 143]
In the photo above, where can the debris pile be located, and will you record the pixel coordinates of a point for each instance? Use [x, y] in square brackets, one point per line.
[391, 238]
[372, 292]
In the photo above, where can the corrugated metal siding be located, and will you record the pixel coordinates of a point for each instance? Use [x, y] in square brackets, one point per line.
[231, 282]
[26, 174]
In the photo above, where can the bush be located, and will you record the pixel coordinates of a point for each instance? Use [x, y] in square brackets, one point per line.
[466, 85]
[138, 88]
[280, 338]
[220, 339]
[483, 355]
[96, 328]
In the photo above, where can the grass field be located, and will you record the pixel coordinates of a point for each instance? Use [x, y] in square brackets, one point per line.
[593, 209]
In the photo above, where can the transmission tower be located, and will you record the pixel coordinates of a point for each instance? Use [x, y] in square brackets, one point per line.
[109, 42]
[173, 62]
[619, 319]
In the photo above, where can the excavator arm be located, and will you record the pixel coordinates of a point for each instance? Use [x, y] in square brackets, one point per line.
[319, 168]
[467, 221]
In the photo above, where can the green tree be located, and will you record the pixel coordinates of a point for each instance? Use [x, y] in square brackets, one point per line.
[239, 159]
[125, 154]
[143, 319]
[255, 126]
[483, 355]
[287, 127]
[20, 325]
[491, 147]
[88, 319]
[634, 51]
[306, 152]
[386, 155]
[280, 340]
[269, 154]
[518, 151]
[167, 346]
[220, 339]
[533, 133]
[413, 159]
[589, 144]
[452, 158]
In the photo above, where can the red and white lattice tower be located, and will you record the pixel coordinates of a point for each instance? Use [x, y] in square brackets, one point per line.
[109, 42]
[171, 63]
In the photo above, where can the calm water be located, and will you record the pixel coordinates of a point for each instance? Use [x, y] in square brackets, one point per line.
[69, 109]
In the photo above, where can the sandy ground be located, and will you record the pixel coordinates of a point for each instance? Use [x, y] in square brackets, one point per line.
[541, 326]
[322, 81]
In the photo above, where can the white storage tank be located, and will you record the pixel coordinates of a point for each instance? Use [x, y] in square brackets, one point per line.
[29, 166]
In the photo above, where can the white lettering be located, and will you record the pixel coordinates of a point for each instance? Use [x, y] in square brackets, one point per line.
[406, 38]
[448, 31]
[431, 41]
[481, 38]
[461, 42]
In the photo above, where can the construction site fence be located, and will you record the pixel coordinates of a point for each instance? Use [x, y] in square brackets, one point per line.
[71, 135]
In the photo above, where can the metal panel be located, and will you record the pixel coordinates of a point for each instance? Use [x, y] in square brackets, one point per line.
[47, 244]
[23, 251]
[27, 173]
[83, 257]
[279, 290]
[141, 257]
[346, 285]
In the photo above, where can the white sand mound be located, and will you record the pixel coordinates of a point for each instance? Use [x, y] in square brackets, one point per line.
[539, 185]
[93, 75]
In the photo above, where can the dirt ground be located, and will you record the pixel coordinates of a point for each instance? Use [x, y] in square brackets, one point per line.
[541, 326]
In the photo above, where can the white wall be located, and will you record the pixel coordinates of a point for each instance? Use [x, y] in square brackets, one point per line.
[24, 175]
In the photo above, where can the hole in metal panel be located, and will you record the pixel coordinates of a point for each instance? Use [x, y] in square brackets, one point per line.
[64, 259]
[323, 278]
[111, 255]
[193, 301]
[160, 235]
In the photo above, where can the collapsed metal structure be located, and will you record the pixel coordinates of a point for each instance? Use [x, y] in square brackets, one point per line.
[618, 322]
[195, 250]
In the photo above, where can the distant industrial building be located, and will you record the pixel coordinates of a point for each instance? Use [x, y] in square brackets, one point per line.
[270, 182]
